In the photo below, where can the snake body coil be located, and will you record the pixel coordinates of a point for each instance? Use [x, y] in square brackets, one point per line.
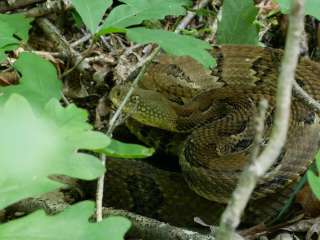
[216, 110]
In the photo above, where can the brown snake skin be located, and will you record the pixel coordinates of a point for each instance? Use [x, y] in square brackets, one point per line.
[215, 110]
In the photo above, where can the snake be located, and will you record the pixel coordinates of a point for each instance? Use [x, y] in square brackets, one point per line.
[214, 110]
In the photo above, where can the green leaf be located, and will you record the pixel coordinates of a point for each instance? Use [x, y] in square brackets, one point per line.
[133, 12]
[72, 223]
[314, 182]
[124, 150]
[236, 26]
[89, 140]
[318, 161]
[91, 12]
[312, 7]
[111, 30]
[3, 56]
[174, 44]
[6, 37]
[284, 5]
[39, 82]
[35, 145]
[71, 119]
[19, 25]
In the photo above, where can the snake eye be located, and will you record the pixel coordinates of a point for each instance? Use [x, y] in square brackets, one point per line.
[134, 98]
[118, 93]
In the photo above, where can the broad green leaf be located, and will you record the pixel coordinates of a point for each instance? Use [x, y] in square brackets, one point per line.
[35, 145]
[174, 44]
[91, 12]
[133, 12]
[9, 47]
[124, 150]
[71, 119]
[77, 18]
[3, 56]
[111, 30]
[18, 23]
[6, 36]
[314, 182]
[72, 223]
[39, 82]
[312, 7]
[89, 140]
[284, 5]
[236, 26]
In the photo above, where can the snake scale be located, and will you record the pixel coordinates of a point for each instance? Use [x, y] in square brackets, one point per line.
[215, 109]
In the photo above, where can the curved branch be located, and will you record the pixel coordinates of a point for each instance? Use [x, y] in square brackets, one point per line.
[247, 182]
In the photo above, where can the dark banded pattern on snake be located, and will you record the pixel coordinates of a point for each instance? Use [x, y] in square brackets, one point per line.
[217, 115]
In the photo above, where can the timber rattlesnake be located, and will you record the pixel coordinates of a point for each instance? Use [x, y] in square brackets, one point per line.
[216, 113]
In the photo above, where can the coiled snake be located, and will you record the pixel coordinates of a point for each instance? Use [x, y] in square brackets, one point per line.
[216, 110]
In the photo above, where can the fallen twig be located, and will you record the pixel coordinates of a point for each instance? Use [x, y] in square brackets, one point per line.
[231, 217]
[12, 5]
[49, 7]
[148, 228]
[303, 95]
[143, 63]
[62, 44]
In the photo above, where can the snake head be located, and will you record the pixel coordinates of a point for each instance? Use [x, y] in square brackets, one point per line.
[146, 106]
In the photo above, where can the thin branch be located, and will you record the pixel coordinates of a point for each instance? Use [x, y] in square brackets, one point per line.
[190, 15]
[304, 96]
[263, 106]
[132, 87]
[247, 180]
[113, 120]
[62, 44]
[150, 229]
[76, 65]
[231, 217]
[112, 124]
[99, 195]
[8, 6]
[85, 38]
[49, 7]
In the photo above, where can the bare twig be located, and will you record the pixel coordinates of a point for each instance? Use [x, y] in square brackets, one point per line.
[49, 7]
[99, 195]
[247, 180]
[76, 65]
[62, 44]
[112, 124]
[231, 217]
[190, 15]
[81, 40]
[150, 229]
[132, 87]
[113, 120]
[7, 6]
[49, 54]
[303, 95]
[263, 105]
